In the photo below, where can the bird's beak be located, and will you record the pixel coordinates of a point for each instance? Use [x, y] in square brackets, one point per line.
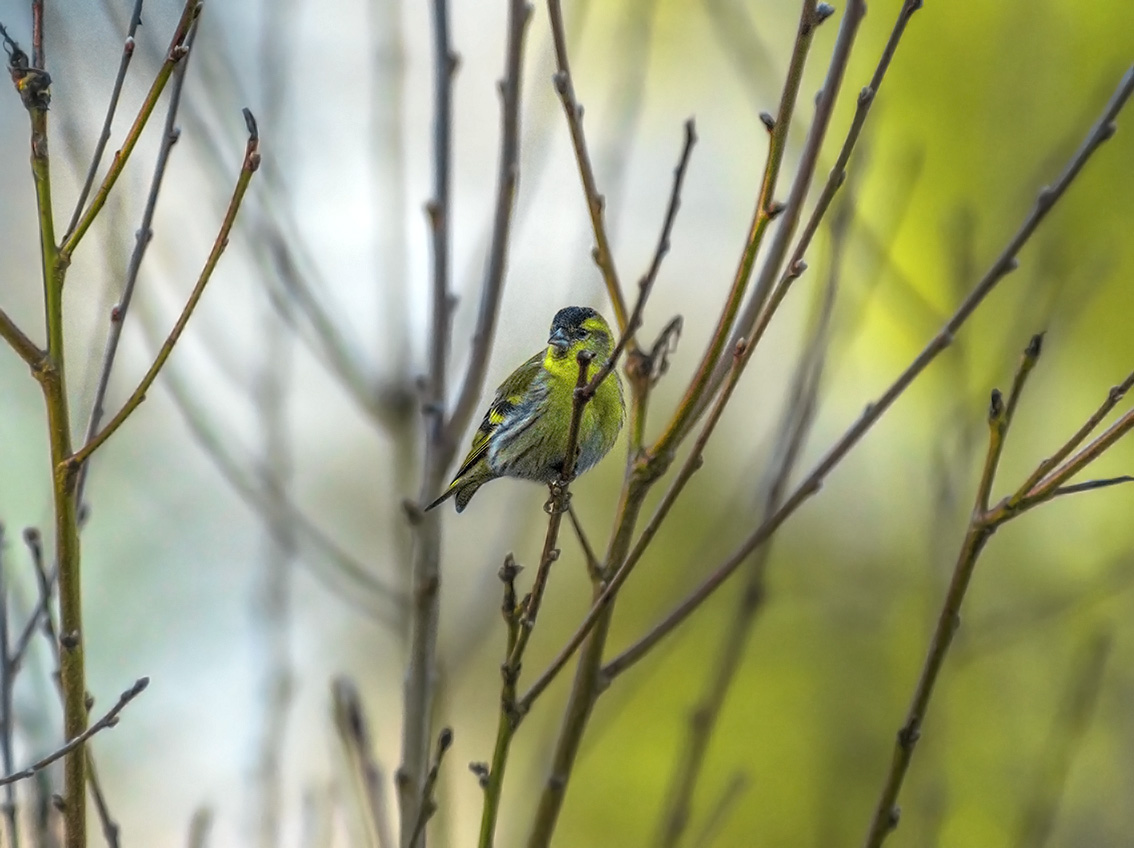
[559, 341]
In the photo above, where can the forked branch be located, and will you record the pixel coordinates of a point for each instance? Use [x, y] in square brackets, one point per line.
[248, 168]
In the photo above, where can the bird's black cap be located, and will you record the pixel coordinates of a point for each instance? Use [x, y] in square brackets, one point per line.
[571, 316]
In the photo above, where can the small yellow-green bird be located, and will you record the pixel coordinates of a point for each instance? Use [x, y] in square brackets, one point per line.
[524, 433]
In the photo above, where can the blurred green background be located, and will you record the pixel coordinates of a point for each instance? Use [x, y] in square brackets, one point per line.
[1029, 739]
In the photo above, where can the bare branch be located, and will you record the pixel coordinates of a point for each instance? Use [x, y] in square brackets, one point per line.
[366, 771]
[249, 167]
[427, 806]
[519, 14]
[28, 350]
[108, 720]
[1002, 265]
[646, 284]
[766, 209]
[177, 51]
[1114, 396]
[596, 203]
[112, 107]
[796, 265]
[143, 235]
[421, 665]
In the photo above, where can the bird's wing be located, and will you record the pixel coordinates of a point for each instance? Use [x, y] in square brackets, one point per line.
[508, 396]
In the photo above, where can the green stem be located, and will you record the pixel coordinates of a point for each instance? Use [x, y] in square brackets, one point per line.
[589, 681]
[53, 379]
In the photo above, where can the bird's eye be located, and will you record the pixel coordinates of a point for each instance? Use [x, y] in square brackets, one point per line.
[582, 333]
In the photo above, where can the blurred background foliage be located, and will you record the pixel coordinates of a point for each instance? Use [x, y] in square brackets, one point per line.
[1029, 739]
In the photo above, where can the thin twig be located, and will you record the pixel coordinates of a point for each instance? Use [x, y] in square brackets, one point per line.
[796, 265]
[28, 350]
[177, 51]
[980, 530]
[763, 288]
[507, 178]
[1001, 267]
[142, 237]
[520, 620]
[721, 810]
[594, 567]
[45, 583]
[766, 209]
[1114, 396]
[596, 203]
[365, 770]
[41, 612]
[427, 806]
[248, 168]
[646, 284]
[1052, 485]
[108, 720]
[112, 107]
[1090, 485]
[794, 428]
[39, 58]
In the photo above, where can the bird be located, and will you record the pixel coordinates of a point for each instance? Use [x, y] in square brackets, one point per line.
[525, 430]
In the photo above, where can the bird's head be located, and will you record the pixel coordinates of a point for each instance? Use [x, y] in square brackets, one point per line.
[577, 328]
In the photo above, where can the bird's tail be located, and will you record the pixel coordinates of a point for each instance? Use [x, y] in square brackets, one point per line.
[464, 488]
[448, 493]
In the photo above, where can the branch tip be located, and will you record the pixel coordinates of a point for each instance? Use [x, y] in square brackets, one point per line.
[250, 122]
[444, 742]
[768, 121]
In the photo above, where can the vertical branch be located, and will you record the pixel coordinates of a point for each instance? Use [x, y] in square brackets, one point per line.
[596, 203]
[33, 84]
[8, 671]
[39, 59]
[519, 13]
[589, 681]
[421, 667]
